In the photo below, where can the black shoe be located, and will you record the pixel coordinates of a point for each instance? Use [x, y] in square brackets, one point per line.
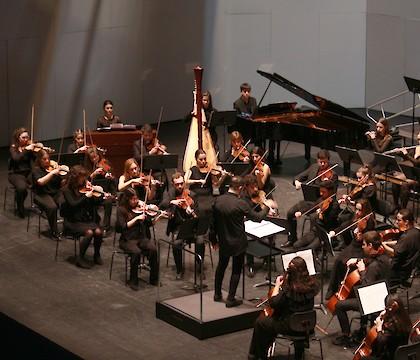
[287, 244]
[343, 340]
[98, 260]
[153, 282]
[83, 263]
[250, 272]
[218, 297]
[133, 284]
[179, 276]
[233, 303]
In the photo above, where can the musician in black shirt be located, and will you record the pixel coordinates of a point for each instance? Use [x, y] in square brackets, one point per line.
[228, 213]
[108, 117]
[246, 105]
[294, 292]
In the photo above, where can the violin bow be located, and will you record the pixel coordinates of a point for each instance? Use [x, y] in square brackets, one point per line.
[324, 172]
[354, 223]
[32, 122]
[141, 153]
[259, 161]
[84, 127]
[208, 172]
[240, 151]
[160, 119]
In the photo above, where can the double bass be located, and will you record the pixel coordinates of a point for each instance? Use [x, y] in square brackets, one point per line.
[199, 136]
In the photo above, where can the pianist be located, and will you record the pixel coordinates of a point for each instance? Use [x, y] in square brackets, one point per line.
[108, 116]
[246, 105]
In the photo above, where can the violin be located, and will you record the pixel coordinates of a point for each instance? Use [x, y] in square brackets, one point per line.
[97, 190]
[360, 228]
[188, 203]
[365, 348]
[36, 147]
[155, 144]
[106, 167]
[242, 154]
[389, 234]
[324, 206]
[64, 169]
[351, 279]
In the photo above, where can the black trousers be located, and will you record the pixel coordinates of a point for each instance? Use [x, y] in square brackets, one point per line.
[136, 248]
[237, 265]
[20, 182]
[265, 331]
[301, 206]
[177, 250]
[310, 239]
[50, 204]
[341, 312]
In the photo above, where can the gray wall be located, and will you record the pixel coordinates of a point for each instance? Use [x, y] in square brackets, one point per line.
[393, 49]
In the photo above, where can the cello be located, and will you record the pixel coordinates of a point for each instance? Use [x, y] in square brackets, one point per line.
[199, 136]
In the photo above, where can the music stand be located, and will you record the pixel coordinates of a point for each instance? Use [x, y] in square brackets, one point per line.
[371, 297]
[411, 172]
[161, 162]
[310, 192]
[70, 159]
[259, 231]
[413, 86]
[225, 119]
[236, 168]
[348, 156]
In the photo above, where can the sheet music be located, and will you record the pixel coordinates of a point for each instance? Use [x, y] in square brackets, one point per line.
[305, 255]
[262, 229]
[372, 297]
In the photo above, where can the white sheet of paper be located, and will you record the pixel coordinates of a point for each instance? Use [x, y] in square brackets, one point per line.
[372, 297]
[262, 229]
[305, 255]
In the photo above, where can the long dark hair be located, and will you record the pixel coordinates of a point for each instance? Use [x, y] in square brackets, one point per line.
[76, 172]
[396, 318]
[127, 195]
[16, 135]
[39, 157]
[298, 279]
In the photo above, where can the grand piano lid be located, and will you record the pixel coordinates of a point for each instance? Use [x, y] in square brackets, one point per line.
[317, 101]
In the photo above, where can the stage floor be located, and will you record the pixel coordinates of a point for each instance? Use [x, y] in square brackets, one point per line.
[97, 318]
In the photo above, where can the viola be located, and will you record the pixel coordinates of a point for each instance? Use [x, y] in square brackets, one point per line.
[351, 279]
[389, 234]
[365, 348]
[64, 169]
[361, 228]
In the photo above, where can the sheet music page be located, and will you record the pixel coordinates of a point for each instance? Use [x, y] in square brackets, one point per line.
[262, 229]
[372, 297]
[305, 255]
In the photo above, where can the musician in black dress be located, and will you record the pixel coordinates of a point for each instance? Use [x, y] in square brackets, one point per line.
[375, 266]
[229, 211]
[78, 144]
[108, 117]
[20, 165]
[80, 214]
[47, 188]
[209, 112]
[294, 292]
[179, 203]
[135, 237]
[380, 140]
[314, 171]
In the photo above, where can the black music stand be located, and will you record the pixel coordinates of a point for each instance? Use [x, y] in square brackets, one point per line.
[69, 159]
[348, 156]
[411, 172]
[310, 192]
[161, 162]
[387, 162]
[236, 168]
[225, 119]
[413, 86]
[326, 248]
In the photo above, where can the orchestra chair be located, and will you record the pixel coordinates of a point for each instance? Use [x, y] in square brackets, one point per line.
[127, 256]
[382, 213]
[300, 323]
[74, 237]
[410, 351]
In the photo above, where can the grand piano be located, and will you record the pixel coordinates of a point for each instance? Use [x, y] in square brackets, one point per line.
[326, 126]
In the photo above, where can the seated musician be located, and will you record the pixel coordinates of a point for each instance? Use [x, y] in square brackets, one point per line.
[325, 215]
[314, 171]
[294, 292]
[20, 166]
[47, 187]
[406, 251]
[353, 230]
[108, 116]
[375, 266]
[393, 326]
[178, 201]
[401, 193]
[136, 180]
[81, 218]
[209, 111]
[151, 146]
[380, 140]
[235, 153]
[78, 144]
[261, 170]
[246, 105]
[101, 174]
[135, 237]
[365, 189]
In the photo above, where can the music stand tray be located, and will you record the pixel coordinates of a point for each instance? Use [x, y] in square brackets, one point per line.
[310, 192]
[236, 168]
[349, 155]
[389, 163]
[161, 162]
[223, 118]
[411, 172]
[70, 159]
